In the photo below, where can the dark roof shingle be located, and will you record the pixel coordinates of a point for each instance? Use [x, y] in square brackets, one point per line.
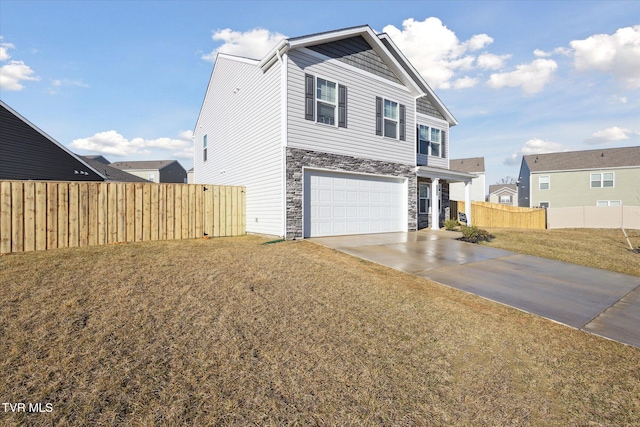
[580, 160]
[471, 165]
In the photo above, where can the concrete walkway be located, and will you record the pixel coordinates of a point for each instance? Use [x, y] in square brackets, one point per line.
[589, 299]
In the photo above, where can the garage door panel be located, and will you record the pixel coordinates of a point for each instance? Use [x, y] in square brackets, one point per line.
[340, 203]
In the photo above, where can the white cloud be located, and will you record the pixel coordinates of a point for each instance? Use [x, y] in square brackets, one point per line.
[13, 73]
[559, 50]
[465, 82]
[111, 142]
[436, 51]
[618, 54]
[533, 146]
[57, 85]
[609, 135]
[531, 77]
[4, 50]
[489, 61]
[254, 43]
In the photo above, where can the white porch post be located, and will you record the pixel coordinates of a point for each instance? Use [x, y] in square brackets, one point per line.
[467, 201]
[435, 204]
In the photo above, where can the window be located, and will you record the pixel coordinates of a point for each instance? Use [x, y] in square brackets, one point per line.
[505, 199]
[602, 203]
[390, 119]
[325, 101]
[326, 96]
[151, 176]
[430, 141]
[599, 180]
[423, 197]
[204, 148]
[544, 204]
[544, 182]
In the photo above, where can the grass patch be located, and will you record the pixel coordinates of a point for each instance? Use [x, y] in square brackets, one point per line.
[232, 332]
[600, 248]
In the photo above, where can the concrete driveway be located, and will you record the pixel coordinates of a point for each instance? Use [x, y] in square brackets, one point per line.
[589, 299]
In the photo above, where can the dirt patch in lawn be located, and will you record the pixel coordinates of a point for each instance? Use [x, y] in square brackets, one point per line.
[600, 248]
[233, 332]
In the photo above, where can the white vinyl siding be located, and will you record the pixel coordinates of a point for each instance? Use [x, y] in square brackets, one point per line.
[241, 118]
[359, 138]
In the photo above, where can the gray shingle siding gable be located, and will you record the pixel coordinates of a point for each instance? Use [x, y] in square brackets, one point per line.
[356, 52]
[424, 106]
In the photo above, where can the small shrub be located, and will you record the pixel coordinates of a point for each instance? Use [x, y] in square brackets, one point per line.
[450, 224]
[474, 234]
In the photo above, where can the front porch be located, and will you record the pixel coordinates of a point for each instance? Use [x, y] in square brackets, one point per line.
[433, 195]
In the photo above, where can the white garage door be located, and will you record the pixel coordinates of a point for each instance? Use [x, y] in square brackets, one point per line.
[341, 203]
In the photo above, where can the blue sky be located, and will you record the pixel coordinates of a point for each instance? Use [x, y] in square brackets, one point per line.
[126, 79]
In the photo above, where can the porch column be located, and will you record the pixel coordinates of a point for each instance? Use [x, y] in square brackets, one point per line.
[467, 201]
[435, 204]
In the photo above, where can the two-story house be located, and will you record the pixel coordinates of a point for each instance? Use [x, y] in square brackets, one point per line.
[332, 133]
[602, 177]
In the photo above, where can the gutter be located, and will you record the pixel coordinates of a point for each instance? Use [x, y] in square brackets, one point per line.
[273, 56]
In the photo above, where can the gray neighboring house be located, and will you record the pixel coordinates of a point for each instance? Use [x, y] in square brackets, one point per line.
[28, 153]
[602, 177]
[110, 174]
[473, 165]
[331, 133]
[165, 171]
[504, 194]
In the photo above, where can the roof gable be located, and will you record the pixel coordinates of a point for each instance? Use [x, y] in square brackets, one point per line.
[383, 47]
[497, 188]
[583, 160]
[472, 164]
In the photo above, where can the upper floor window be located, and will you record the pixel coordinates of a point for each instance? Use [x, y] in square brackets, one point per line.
[599, 180]
[602, 203]
[326, 96]
[390, 119]
[325, 101]
[544, 182]
[430, 141]
[204, 148]
[505, 199]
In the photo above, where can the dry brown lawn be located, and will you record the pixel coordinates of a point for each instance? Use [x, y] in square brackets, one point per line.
[233, 332]
[600, 248]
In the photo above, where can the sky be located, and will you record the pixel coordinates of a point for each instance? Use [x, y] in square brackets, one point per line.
[126, 79]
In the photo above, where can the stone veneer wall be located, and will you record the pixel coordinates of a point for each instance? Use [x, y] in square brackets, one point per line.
[297, 159]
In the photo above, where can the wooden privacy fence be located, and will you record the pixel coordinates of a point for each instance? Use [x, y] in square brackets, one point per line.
[484, 214]
[39, 215]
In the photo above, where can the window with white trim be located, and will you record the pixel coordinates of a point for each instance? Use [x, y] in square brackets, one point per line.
[544, 182]
[327, 101]
[390, 119]
[204, 148]
[602, 180]
[430, 141]
[423, 197]
[505, 199]
[604, 203]
[544, 204]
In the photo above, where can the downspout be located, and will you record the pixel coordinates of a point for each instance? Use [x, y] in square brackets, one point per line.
[283, 136]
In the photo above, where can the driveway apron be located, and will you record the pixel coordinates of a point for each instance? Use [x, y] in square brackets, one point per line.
[593, 300]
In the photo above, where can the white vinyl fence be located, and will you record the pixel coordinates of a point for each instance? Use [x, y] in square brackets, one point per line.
[594, 217]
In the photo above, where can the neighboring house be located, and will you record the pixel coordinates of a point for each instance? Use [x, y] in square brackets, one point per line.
[111, 174]
[474, 165]
[154, 170]
[504, 194]
[190, 177]
[332, 133]
[26, 152]
[603, 177]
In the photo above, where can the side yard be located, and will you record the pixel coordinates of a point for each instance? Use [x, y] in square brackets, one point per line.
[231, 331]
[600, 248]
